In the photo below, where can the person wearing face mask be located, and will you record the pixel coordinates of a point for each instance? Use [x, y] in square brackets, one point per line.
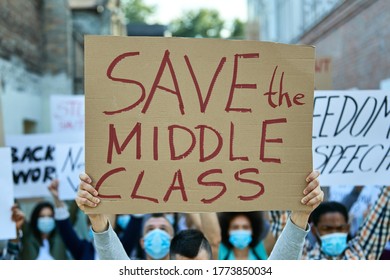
[83, 249]
[41, 240]
[241, 236]
[330, 226]
[288, 246]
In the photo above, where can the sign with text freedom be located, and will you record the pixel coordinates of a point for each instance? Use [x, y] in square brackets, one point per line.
[351, 131]
[180, 125]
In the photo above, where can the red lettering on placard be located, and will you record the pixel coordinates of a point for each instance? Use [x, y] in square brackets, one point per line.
[249, 181]
[110, 68]
[104, 178]
[180, 187]
[113, 141]
[272, 140]
[211, 184]
[135, 195]
[165, 61]
[203, 103]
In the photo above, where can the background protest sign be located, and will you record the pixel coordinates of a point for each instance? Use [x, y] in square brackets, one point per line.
[70, 162]
[351, 131]
[323, 79]
[7, 226]
[67, 113]
[197, 125]
[33, 161]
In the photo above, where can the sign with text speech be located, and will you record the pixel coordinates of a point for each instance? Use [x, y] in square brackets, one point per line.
[351, 132]
[197, 125]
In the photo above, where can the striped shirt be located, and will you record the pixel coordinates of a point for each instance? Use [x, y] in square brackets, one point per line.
[369, 241]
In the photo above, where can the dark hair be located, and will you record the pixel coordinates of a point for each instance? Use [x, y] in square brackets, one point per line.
[328, 207]
[255, 218]
[34, 219]
[188, 243]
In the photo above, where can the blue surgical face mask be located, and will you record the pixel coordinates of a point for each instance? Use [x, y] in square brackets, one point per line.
[334, 244]
[240, 238]
[122, 221]
[157, 243]
[46, 224]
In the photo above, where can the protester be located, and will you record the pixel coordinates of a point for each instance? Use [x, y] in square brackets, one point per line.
[83, 249]
[242, 234]
[331, 228]
[190, 244]
[288, 246]
[41, 240]
[10, 249]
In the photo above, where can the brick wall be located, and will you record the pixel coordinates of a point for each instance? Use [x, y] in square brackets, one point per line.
[21, 32]
[357, 36]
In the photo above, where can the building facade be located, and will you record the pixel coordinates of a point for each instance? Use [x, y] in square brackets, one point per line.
[353, 33]
[41, 54]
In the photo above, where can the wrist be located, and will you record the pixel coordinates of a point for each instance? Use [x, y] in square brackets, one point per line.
[99, 222]
[300, 219]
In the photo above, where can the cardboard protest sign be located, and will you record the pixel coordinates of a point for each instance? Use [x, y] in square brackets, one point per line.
[70, 162]
[67, 113]
[197, 125]
[7, 226]
[351, 131]
[33, 161]
[323, 73]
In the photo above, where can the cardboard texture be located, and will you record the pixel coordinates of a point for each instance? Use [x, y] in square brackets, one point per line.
[197, 125]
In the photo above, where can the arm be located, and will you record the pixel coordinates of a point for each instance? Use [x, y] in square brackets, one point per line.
[87, 198]
[212, 231]
[290, 243]
[73, 243]
[107, 243]
[375, 231]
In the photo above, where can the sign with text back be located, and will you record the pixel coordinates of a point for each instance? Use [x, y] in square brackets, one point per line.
[33, 161]
[197, 125]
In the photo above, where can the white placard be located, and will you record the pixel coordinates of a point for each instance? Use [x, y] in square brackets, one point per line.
[351, 131]
[7, 226]
[67, 113]
[70, 162]
[33, 161]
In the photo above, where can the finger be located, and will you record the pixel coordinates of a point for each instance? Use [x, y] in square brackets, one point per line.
[314, 200]
[84, 177]
[313, 175]
[88, 196]
[310, 195]
[82, 202]
[87, 187]
[311, 186]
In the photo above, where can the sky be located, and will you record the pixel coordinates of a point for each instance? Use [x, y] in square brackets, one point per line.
[171, 9]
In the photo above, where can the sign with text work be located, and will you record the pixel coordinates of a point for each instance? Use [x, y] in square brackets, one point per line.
[197, 125]
[33, 161]
[351, 132]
